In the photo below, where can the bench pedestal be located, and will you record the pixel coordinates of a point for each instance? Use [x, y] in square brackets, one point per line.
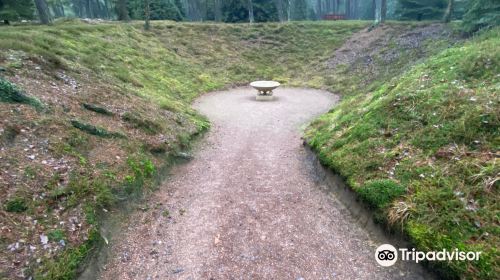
[264, 97]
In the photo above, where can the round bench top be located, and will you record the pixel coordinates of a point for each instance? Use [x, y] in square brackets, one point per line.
[265, 85]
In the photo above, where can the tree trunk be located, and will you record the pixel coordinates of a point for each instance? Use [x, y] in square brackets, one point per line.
[146, 15]
[374, 11]
[354, 9]
[98, 9]
[217, 10]
[383, 10]
[289, 10]
[55, 9]
[337, 7]
[280, 8]
[122, 11]
[90, 13]
[449, 11]
[106, 9]
[347, 9]
[43, 11]
[250, 11]
[61, 8]
[319, 11]
[77, 8]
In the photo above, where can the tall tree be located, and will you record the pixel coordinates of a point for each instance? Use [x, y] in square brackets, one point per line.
[374, 9]
[158, 10]
[383, 10]
[422, 9]
[481, 14]
[43, 11]
[280, 7]
[289, 10]
[299, 10]
[122, 10]
[15, 10]
[348, 8]
[217, 10]
[106, 9]
[147, 14]
[319, 10]
[449, 11]
[250, 11]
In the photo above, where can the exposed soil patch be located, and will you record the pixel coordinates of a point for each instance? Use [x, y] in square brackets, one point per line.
[248, 206]
[371, 42]
[388, 50]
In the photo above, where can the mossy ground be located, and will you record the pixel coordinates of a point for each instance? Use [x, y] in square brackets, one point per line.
[434, 130]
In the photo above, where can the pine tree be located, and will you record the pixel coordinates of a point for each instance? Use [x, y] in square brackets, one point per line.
[122, 10]
[16, 10]
[449, 11]
[481, 14]
[299, 10]
[43, 11]
[421, 9]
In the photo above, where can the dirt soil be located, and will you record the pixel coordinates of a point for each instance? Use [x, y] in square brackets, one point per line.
[247, 206]
[388, 43]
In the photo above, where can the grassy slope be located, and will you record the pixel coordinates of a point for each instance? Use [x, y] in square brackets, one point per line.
[422, 149]
[66, 162]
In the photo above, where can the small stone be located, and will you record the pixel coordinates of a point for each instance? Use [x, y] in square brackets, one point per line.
[184, 155]
[44, 239]
[178, 270]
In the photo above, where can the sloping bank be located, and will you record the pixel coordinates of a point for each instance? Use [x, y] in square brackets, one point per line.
[421, 150]
[90, 114]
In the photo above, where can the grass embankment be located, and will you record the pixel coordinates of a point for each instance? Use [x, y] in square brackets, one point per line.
[97, 108]
[421, 149]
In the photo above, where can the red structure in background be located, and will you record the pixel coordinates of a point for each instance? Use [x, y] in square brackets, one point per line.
[333, 17]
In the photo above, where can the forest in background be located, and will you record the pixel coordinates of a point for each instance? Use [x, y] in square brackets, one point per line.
[476, 14]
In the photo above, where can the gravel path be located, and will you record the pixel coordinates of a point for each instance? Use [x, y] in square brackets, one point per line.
[247, 207]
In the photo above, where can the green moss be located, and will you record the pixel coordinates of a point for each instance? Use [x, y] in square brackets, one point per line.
[97, 131]
[16, 205]
[379, 193]
[97, 109]
[11, 94]
[430, 129]
[146, 125]
[56, 235]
